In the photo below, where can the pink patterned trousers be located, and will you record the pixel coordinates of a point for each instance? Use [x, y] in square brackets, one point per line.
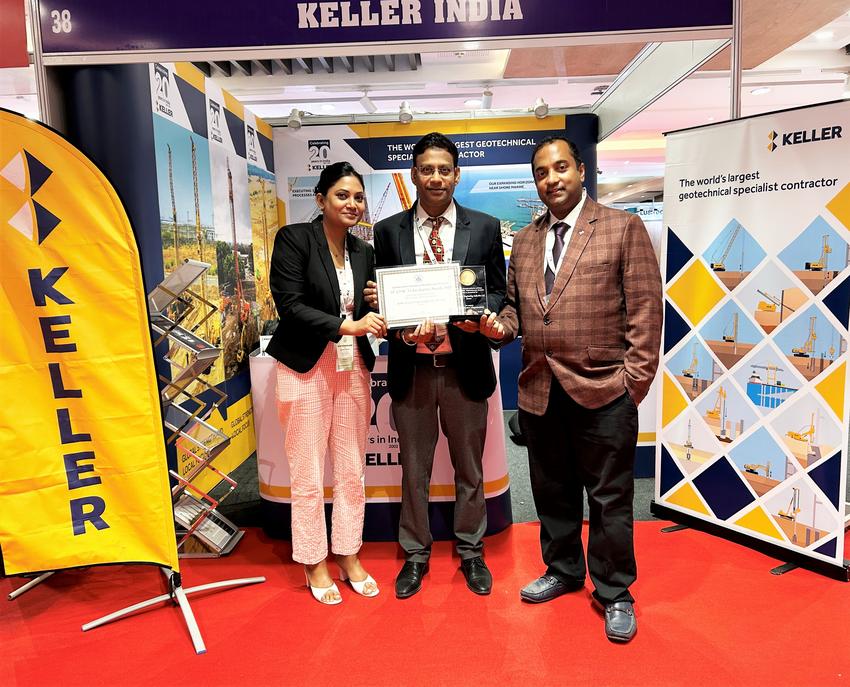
[325, 411]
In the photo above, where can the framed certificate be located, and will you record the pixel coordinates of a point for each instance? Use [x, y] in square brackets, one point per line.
[409, 294]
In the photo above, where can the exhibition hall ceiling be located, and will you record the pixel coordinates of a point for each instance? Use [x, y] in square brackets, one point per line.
[794, 53]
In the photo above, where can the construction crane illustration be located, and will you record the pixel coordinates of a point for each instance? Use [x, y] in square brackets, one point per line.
[792, 510]
[720, 265]
[771, 373]
[689, 445]
[692, 370]
[173, 206]
[733, 337]
[807, 435]
[821, 262]
[718, 412]
[754, 469]
[806, 349]
[771, 306]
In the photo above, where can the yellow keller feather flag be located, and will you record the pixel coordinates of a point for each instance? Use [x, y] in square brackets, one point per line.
[83, 476]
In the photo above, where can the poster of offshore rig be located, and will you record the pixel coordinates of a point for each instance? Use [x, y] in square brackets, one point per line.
[753, 413]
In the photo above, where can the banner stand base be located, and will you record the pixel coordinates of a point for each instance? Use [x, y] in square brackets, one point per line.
[833, 570]
[180, 595]
[29, 585]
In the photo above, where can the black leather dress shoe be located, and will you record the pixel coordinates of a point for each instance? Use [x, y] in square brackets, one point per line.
[478, 577]
[620, 621]
[548, 587]
[409, 580]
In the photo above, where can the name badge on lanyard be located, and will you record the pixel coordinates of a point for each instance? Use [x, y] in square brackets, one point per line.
[345, 346]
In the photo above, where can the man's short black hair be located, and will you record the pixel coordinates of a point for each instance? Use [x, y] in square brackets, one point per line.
[553, 139]
[434, 140]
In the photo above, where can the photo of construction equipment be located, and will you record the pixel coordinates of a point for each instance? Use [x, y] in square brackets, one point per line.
[264, 226]
[809, 342]
[802, 512]
[733, 254]
[771, 296]
[817, 255]
[725, 411]
[768, 380]
[238, 299]
[730, 334]
[691, 442]
[761, 461]
[694, 367]
[186, 225]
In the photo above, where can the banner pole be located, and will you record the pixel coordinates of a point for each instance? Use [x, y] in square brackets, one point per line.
[735, 90]
[29, 585]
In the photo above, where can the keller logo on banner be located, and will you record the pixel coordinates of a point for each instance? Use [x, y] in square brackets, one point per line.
[318, 154]
[82, 457]
[161, 79]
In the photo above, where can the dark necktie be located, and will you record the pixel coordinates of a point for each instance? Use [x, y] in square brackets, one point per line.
[560, 229]
[434, 240]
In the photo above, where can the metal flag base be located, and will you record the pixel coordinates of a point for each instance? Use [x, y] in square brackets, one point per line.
[180, 595]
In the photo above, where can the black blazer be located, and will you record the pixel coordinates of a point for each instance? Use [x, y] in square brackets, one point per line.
[303, 282]
[478, 241]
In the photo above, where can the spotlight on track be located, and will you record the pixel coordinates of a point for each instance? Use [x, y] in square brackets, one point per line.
[367, 104]
[541, 109]
[294, 121]
[405, 113]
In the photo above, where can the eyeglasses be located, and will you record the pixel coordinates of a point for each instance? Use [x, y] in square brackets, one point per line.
[427, 171]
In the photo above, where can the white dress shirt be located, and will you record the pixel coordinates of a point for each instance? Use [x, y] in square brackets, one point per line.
[570, 219]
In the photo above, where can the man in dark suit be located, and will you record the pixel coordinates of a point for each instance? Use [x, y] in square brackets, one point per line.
[584, 291]
[440, 376]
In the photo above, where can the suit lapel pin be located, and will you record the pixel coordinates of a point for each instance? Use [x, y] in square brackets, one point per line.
[581, 232]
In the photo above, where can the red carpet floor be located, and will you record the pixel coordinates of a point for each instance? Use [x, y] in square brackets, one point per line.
[709, 613]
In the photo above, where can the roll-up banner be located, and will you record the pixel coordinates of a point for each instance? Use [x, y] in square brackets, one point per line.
[83, 477]
[216, 187]
[753, 415]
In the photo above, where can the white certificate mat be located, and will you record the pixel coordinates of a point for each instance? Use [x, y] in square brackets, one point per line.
[409, 294]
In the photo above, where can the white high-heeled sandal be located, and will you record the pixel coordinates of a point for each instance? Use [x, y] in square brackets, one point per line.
[319, 592]
[359, 586]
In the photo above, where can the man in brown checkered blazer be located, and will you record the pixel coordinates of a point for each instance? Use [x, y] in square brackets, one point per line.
[584, 292]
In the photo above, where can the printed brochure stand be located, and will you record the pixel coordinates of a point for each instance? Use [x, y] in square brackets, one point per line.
[177, 313]
[193, 512]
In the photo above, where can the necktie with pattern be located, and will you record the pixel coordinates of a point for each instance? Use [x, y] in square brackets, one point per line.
[437, 248]
[434, 240]
[560, 229]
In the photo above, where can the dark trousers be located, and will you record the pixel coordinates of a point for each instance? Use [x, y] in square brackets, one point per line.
[572, 449]
[436, 401]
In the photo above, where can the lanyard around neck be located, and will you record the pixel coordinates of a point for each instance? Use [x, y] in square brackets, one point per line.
[425, 241]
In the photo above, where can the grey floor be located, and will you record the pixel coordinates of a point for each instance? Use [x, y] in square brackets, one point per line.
[243, 505]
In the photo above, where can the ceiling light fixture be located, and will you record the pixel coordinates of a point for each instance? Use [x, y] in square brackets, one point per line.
[761, 90]
[294, 121]
[473, 103]
[405, 113]
[824, 36]
[367, 104]
[486, 99]
[541, 109]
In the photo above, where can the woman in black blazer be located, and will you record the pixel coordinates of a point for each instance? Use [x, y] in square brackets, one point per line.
[317, 276]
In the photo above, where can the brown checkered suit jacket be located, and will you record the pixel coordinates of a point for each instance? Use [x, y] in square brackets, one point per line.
[601, 331]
